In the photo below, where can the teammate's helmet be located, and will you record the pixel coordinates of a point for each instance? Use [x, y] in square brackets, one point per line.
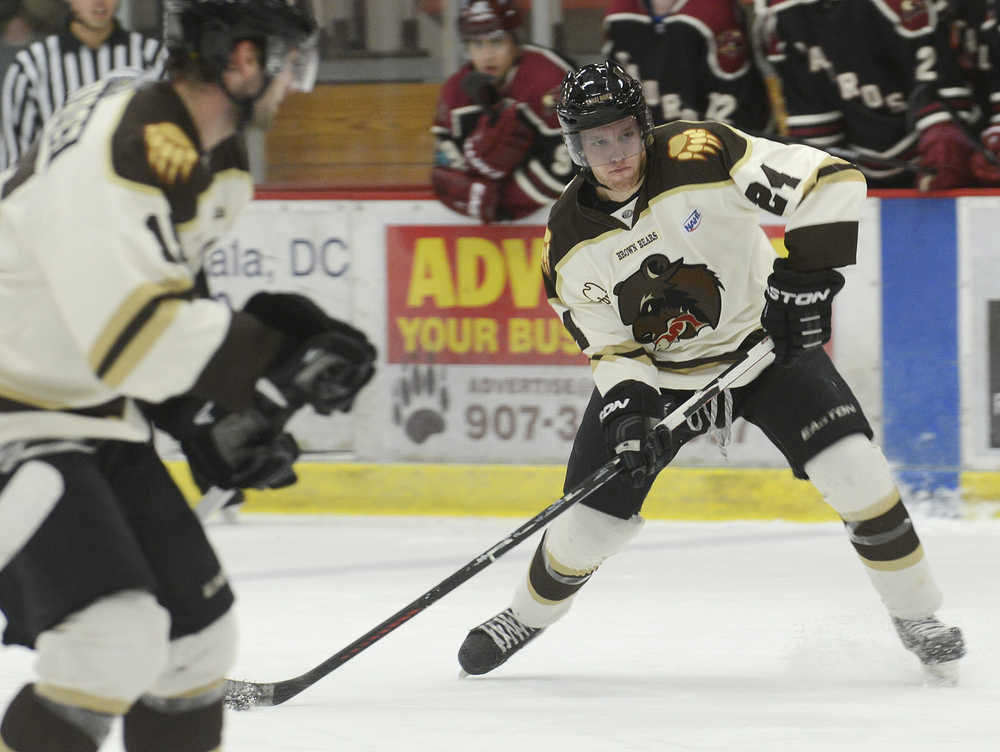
[205, 32]
[599, 94]
[485, 16]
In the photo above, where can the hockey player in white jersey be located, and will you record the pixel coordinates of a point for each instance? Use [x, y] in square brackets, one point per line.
[105, 572]
[658, 267]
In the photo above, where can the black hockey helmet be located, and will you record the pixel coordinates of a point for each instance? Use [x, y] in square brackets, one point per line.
[485, 16]
[599, 94]
[205, 32]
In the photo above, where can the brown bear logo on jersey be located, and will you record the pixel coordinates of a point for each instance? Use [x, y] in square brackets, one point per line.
[665, 301]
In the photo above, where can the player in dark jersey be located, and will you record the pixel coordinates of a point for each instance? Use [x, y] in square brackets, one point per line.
[692, 57]
[658, 267]
[498, 153]
[876, 77]
[974, 38]
[105, 571]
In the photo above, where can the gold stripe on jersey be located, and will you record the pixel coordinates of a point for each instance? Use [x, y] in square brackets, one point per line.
[832, 170]
[142, 342]
[77, 699]
[626, 350]
[138, 300]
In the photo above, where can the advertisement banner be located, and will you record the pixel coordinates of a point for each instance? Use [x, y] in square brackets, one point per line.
[471, 296]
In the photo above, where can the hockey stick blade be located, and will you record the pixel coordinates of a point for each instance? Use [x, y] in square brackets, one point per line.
[243, 695]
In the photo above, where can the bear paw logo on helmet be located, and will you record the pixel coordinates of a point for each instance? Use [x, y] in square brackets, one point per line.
[694, 143]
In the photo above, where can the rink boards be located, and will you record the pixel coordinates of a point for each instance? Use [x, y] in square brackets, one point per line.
[479, 389]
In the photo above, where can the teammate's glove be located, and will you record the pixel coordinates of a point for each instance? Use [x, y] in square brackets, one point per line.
[466, 193]
[627, 420]
[945, 149]
[242, 450]
[798, 308]
[325, 364]
[985, 171]
[224, 449]
[498, 144]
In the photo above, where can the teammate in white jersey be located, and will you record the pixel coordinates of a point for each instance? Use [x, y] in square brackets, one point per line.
[657, 265]
[104, 569]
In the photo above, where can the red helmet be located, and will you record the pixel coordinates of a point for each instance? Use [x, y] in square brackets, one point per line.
[483, 16]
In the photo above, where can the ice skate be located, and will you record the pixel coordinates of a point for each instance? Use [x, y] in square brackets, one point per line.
[493, 642]
[938, 646]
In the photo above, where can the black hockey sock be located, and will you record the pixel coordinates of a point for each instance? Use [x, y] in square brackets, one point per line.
[889, 537]
[197, 729]
[549, 582]
[29, 725]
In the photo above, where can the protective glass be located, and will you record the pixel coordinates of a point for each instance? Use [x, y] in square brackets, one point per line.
[304, 61]
[606, 144]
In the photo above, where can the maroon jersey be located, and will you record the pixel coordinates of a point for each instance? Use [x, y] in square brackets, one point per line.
[694, 63]
[533, 84]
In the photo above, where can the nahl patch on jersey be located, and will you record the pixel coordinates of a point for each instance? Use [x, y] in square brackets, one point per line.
[170, 152]
[694, 143]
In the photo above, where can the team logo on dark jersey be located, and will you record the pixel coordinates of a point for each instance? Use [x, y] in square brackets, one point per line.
[665, 301]
[694, 143]
[170, 153]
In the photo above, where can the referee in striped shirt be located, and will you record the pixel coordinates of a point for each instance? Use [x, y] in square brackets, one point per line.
[45, 73]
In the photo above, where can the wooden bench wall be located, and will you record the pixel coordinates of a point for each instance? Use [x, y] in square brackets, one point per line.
[354, 136]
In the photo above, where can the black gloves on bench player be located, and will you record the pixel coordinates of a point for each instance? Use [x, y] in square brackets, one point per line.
[230, 450]
[324, 364]
[631, 430]
[798, 308]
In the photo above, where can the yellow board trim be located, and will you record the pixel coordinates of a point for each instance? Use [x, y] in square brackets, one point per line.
[710, 494]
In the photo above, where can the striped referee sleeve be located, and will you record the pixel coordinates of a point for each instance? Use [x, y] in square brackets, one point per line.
[47, 72]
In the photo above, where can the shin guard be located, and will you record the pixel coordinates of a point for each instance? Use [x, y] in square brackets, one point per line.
[855, 480]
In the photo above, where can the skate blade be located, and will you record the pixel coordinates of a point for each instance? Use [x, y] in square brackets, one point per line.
[941, 674]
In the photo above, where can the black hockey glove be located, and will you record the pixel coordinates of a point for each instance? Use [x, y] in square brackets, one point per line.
[325, 364]
[798, 309]
[628, 421]
[242, 450]
[227, 450]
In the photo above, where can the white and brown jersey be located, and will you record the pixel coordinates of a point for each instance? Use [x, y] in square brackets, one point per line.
[669, 295]
[103, 227]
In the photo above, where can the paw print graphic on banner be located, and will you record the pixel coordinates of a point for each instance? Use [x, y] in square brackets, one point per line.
[420, 402]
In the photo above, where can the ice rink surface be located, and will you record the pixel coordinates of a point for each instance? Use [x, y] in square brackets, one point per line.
[744, 637]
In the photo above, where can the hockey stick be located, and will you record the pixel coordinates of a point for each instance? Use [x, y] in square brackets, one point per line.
[212, 501]
[241, 695]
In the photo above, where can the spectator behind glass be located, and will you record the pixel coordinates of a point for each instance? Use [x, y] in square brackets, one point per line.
[877, 77]
[692, 57]
[498, 151]
[91, 45]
